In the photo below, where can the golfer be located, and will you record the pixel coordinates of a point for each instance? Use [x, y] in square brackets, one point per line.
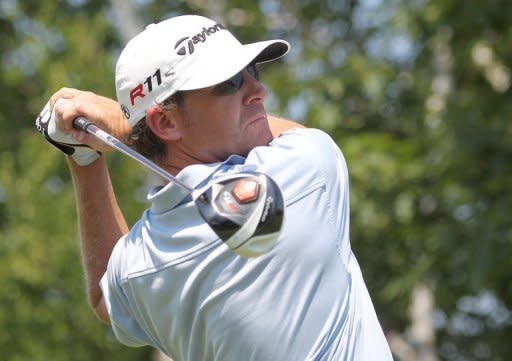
[189, 98]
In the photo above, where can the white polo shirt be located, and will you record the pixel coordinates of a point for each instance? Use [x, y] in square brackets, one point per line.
[171, 283]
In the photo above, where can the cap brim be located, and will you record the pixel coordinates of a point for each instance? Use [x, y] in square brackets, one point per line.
[272, 50]
[217, 68]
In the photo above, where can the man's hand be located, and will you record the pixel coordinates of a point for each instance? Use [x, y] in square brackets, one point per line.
[46, 124]
[67, 104]
[102, 111]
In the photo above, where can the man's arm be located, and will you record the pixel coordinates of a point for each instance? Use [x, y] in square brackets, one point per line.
[100, 219]
[279, 125]
[101, 224]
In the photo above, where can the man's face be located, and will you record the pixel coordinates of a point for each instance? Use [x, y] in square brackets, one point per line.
[215, 126]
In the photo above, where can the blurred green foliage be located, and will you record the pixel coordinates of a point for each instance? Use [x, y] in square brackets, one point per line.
[416, 93]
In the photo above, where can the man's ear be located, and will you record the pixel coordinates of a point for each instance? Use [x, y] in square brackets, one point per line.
[163, 123]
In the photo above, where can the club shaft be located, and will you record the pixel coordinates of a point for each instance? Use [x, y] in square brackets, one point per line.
[85, 125]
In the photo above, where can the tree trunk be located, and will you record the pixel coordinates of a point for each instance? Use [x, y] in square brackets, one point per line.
[418, 343]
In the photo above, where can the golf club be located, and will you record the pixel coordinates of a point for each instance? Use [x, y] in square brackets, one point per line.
[245, 210]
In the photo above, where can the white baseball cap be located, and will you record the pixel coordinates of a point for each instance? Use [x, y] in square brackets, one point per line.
[182, 53]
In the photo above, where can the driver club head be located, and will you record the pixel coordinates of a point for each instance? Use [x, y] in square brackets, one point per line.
[245, 210]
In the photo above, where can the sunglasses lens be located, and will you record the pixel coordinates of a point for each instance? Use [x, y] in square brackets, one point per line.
[251, 69]
[232, 85]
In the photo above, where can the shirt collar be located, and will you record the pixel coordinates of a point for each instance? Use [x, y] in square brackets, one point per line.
[164, 198]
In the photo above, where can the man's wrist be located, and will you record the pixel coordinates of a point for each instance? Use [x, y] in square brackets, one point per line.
[83, 159]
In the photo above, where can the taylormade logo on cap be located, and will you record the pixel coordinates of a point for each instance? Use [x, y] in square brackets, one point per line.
[138, 91]
[196, 39]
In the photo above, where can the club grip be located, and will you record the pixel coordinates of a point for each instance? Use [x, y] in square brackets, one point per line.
[82, 123]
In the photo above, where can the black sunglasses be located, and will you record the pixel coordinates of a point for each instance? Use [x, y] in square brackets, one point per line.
[233, 84]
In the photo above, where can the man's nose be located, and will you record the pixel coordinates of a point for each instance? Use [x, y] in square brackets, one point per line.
[253, 89]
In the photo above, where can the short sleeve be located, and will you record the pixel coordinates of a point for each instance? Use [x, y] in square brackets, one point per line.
[302, 162]
[126, 328]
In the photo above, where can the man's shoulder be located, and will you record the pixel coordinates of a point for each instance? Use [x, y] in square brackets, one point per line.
[300, 151]
[310, 141]
[305, 132]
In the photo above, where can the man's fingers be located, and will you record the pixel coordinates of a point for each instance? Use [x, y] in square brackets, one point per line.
[63, 109]
[64, 106]
[78, 135]
[64, 93]
[69, 103]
